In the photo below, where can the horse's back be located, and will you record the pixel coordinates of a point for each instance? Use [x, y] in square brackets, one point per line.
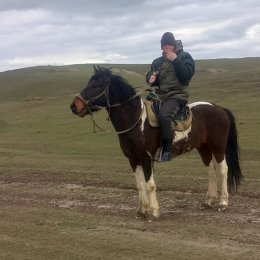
[208, 111]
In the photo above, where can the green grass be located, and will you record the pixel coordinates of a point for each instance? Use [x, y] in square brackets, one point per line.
[42, 143]
[38, 131]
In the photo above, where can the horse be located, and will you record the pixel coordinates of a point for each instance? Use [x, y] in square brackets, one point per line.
[213, 133]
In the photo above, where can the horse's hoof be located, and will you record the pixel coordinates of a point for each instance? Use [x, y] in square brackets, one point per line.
[222, 208]
[152, 218]
[141, 215]
[205, 206]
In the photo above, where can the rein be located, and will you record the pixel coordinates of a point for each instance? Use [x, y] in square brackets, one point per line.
[130, 128]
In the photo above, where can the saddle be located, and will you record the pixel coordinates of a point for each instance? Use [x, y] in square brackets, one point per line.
[182, 121]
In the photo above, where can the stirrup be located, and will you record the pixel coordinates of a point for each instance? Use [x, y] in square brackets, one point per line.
[166, 156]
[163, 157]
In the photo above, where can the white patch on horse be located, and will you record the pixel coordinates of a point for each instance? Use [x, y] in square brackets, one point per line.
[179, 135]
[144, 115]
[199, 103]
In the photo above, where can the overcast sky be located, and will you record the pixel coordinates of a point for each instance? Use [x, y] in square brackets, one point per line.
[51, 32]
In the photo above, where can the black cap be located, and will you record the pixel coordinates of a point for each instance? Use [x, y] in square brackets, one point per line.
[168, 39]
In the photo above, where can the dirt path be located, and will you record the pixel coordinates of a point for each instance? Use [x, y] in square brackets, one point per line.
[234, 233]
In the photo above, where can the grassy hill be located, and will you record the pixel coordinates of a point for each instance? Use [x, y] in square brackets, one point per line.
[67, 193]
[38, 131]
[46, 81]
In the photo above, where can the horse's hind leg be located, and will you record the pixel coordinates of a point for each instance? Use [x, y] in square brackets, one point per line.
[222, 170]
[212, 188]
[209, 161]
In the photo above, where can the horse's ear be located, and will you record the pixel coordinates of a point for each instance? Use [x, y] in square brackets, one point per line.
[95, 69]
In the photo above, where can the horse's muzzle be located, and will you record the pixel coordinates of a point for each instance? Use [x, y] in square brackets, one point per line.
[74, 109]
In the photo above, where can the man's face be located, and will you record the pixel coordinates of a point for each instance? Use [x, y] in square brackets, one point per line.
[167, 48]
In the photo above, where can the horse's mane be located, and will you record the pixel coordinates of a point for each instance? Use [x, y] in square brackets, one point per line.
[119, 88]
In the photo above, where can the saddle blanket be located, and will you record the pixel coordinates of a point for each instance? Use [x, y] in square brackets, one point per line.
[181, 121]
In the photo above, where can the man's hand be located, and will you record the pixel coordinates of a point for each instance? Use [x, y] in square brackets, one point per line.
[152, 78]
[170, 55]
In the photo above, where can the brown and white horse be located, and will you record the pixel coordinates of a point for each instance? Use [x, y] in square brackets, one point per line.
[213, 133]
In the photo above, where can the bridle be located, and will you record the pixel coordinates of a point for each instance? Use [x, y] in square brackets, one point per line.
[88, 103]
[105, 92]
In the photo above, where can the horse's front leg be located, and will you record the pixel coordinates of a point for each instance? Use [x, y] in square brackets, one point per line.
[150, 187]
[148, 204]
[153, 212]
[144, 202]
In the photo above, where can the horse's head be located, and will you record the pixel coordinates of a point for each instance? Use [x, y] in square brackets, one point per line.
[94, 95]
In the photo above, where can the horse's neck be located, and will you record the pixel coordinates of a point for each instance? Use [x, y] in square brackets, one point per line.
[125, 116]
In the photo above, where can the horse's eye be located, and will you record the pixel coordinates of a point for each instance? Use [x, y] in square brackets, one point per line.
[98, 85]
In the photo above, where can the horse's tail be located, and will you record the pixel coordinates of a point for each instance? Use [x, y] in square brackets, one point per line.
[232, 155]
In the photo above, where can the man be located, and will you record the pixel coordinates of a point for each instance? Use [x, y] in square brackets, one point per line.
[171, 73]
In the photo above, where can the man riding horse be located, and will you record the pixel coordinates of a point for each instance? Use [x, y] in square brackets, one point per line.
[171, 74]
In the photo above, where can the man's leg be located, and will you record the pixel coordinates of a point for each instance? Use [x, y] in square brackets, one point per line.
[169, 108]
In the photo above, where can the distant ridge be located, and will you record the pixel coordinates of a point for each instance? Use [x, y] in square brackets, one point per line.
[45, 82]
[68, 68]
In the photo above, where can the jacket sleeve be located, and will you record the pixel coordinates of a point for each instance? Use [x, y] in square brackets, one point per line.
[154, 68]
[184, 67]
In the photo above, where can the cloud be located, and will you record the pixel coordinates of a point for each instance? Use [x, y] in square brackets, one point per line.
[122, 31]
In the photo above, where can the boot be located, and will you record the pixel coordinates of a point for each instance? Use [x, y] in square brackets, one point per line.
[166, 151]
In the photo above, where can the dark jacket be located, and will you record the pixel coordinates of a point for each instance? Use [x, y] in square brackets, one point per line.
[173, 77]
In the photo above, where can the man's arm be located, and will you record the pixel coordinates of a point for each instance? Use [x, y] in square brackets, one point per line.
[184, 67]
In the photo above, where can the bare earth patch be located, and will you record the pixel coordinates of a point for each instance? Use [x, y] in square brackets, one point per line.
[183, 229]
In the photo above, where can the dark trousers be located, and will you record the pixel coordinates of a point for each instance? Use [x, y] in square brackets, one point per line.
[169, 108]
